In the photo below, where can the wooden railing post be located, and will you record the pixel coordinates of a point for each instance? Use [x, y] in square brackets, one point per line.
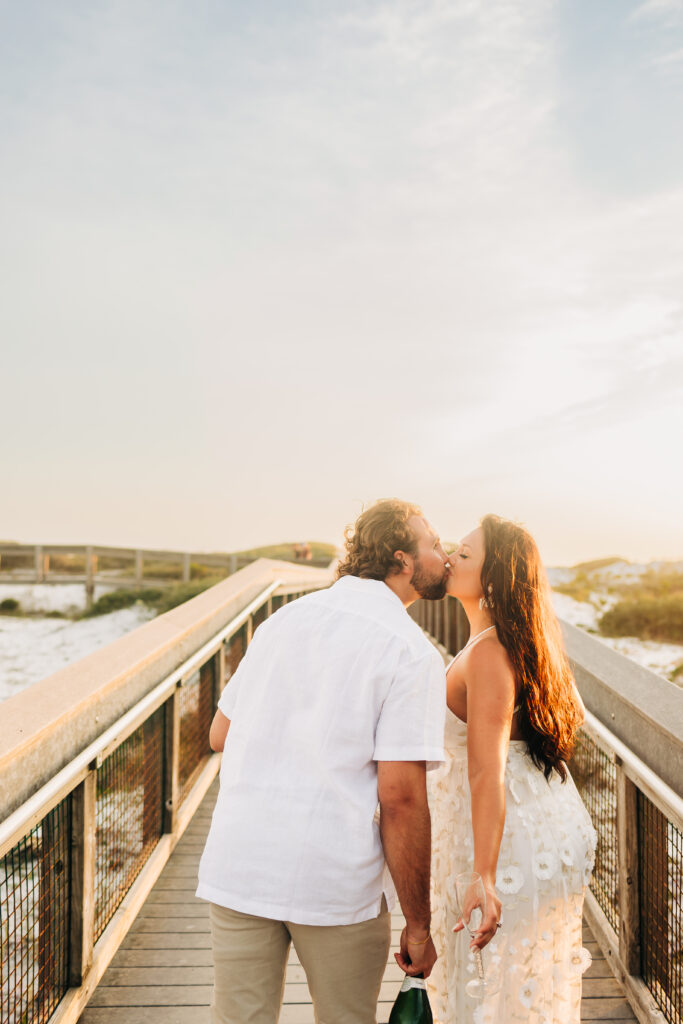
[219, 674]
[628, 854]
[172, 760]
[138, 568]
[89, 578]
[38, 556]
[186, 567]
[83, 829]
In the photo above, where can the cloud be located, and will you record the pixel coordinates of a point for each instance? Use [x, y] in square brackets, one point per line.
[668, 10]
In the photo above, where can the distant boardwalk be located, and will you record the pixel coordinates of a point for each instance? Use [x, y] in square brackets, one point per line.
[163, 973]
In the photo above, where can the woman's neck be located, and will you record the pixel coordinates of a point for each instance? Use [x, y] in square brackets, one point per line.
[478, 618]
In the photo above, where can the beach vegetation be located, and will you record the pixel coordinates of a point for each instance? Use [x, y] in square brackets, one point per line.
[10, 606]
[646, 617]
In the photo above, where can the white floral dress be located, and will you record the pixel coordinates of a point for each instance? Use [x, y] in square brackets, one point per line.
[546, 857]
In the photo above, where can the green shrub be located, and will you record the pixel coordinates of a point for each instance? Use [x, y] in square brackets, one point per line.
[117, 599]
[597, 563]
[10, 606]
[171, 597]
[648, 618]
[580, 588]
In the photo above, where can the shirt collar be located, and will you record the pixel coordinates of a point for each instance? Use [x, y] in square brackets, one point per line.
[377, 587]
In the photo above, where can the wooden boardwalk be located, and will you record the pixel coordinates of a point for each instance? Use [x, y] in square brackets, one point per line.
[162, 974]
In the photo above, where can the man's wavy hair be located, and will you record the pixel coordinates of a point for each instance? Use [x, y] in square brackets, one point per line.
[378, 532]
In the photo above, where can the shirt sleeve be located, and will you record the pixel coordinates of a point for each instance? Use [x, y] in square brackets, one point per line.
[413, 717]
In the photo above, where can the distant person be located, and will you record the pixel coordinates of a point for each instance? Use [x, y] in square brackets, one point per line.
[504, 805]
[338, 703]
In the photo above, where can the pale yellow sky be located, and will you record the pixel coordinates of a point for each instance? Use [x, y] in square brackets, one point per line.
[265, 263]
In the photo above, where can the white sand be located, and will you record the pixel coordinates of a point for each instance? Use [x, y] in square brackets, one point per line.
[31, 649]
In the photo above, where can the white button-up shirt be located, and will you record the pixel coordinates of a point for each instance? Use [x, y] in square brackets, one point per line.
[330, 684]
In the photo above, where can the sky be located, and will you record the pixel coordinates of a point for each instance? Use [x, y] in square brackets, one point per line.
[264, 262]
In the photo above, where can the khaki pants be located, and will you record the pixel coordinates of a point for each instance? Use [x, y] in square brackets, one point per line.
[344, 966]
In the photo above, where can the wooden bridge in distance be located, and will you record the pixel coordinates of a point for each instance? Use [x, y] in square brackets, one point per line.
[99, 847]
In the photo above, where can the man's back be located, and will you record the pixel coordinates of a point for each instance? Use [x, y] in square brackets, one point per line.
[330, 685]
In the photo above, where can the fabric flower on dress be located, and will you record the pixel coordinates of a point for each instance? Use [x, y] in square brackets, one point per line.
[544, 864]
[509, 879]
[483, 1015]
[566, 855]
[579, 960]
[527, 991]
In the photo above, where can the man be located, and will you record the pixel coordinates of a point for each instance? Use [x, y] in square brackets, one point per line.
[338, 703]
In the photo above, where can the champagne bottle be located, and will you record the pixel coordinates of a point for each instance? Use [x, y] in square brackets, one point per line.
[412, 1004]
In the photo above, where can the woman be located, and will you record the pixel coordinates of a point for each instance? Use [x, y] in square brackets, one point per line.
[504, 805]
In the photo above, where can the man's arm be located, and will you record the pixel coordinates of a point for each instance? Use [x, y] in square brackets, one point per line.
[405, 828]
[218, 731]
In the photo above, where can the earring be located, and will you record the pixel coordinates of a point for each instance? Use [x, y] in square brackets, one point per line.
[487, 602]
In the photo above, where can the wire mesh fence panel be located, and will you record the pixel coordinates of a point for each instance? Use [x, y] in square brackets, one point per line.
[35, 892]
[128, 815]
[259, 616]
[233, 652]
[596, 778]
[661, 908]
[196, 712]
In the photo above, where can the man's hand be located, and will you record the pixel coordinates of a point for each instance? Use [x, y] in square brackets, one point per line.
[489, 924]
[416, 957]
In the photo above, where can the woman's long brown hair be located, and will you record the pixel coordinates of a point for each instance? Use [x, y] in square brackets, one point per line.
[516, 587]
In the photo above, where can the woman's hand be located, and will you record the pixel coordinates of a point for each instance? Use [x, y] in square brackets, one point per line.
[489, 924]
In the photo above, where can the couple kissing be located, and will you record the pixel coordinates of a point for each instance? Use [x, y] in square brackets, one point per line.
[341, 704]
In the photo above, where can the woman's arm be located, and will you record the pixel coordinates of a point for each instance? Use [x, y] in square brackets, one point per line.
[490, 703]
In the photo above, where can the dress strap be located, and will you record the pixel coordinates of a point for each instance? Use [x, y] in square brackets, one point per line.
[470, 643]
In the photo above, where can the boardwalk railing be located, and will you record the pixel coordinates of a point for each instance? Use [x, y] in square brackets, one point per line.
[101, 768]
[628, 767]
[95, 565]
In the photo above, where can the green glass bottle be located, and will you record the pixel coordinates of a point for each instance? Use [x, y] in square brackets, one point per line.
[412, 1004]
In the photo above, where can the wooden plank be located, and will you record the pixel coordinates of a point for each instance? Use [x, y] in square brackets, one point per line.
[118, 977]
[164, 958]
[154, 925]
[606, 1009]
[146, 1015]
[194, 909]
[164, 897]
[150, 995]
[168, 940]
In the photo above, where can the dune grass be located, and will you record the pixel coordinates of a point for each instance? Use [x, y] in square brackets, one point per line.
[648, 618]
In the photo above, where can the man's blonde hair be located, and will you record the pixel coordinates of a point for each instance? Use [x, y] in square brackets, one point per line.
[378, 532]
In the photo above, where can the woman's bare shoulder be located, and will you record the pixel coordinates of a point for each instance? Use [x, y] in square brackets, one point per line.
[489, 658]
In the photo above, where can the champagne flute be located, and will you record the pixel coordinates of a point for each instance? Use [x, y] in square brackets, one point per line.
[470, 896]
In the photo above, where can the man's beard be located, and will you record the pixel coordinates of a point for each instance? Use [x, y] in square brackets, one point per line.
[429, 588]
